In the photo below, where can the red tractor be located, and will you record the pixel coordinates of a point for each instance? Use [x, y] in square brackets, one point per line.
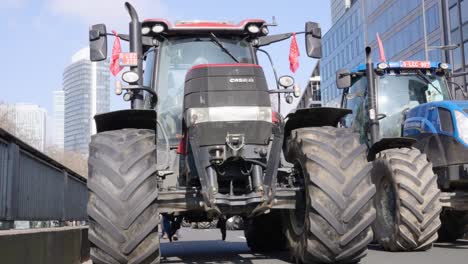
[201, 142]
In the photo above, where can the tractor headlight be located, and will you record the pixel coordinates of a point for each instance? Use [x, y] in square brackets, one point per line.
[382, 66]
[462, 125]
[228, 113]
[158, 28]
[443, 66]
[286, 81]
[254, 29]
[145, 30]
[130, 77]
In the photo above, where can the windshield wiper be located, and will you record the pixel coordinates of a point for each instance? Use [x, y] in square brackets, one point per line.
[427, 81]
[216, 40]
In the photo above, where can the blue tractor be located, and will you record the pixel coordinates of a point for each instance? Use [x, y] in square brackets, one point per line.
[441, 130]
[417, 139]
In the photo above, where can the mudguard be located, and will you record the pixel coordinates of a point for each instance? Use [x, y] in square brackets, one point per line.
[389, 143]
[130, 118]
[313, 117]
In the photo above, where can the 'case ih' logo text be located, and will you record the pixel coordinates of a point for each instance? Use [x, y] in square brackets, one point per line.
[241, 80]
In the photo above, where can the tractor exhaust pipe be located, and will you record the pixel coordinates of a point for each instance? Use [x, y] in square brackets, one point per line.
[374, 122]
[136, 46]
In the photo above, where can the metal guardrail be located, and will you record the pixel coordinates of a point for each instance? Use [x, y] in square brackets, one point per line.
[34, 187]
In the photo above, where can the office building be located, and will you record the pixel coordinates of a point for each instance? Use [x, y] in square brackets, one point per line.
[59, 118]
[311, 95]
[400, 26]
[86, 88]
[27, 121]
[343, 47]
[338, 8]
[459, 56]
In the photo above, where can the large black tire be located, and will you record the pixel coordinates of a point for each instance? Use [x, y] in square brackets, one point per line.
[264, 233]
[333, 216]
[122, 187]
[454, 225]
[407, 200]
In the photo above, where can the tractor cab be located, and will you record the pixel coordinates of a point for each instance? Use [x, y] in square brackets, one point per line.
[182, 48]
[399, 87]
[170, 51]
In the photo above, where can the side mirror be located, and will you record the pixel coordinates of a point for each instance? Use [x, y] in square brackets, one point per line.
[343, 79]
[98, 42]
[313, 39]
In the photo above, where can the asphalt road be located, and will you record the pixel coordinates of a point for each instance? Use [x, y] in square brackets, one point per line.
[205, 246]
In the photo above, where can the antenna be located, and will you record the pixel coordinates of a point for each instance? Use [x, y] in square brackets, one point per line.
[273, 22]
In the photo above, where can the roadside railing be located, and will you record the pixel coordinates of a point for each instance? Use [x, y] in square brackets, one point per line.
[34, 187]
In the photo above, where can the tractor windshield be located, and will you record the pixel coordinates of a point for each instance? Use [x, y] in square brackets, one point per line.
[398, 93]
[176, 57]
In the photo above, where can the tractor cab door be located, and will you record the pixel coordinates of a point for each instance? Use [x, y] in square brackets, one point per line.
[355, 99]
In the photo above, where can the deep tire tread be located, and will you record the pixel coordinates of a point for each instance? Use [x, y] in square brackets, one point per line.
[123, 189]
[417, 204]
[340, 195]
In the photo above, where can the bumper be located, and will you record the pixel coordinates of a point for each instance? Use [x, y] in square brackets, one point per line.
[192, 200]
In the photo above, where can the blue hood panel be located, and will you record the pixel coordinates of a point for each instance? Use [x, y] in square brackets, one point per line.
[426, 119]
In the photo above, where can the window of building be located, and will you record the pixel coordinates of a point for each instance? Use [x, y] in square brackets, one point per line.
[432, 19]
[466, 52]
[464, 8]
[453, 17]
[456, 59]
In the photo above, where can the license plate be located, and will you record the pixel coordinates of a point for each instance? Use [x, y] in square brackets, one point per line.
[128, 59]
[415, 64]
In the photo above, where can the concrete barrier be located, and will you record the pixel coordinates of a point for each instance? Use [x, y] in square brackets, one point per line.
[61, 245]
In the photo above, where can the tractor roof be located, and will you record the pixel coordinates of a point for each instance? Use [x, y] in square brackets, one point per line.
[406, 65]
[200, 26]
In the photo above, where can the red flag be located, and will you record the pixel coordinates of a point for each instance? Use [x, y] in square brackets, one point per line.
[293, 54]
[381, 49]
[115, 68]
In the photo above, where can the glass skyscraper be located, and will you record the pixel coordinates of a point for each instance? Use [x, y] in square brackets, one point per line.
[86, 87]
[400, 26]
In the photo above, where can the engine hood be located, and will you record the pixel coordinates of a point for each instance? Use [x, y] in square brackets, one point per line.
[459, 105]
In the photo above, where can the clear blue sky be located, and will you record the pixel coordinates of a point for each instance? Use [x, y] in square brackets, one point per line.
[40, 36]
